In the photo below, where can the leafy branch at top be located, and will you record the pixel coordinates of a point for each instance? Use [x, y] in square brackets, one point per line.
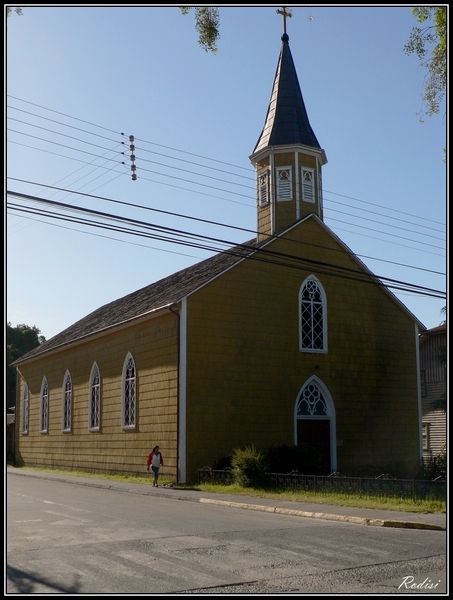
[207, 24]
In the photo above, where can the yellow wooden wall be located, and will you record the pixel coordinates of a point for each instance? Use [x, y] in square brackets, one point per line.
[245, 369]
[153, 344]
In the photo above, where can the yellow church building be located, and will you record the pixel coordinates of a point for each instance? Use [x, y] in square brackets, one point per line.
[287, 339]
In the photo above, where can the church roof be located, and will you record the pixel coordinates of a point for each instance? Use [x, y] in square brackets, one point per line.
[158, 295]
[172, 289]
[286, 120]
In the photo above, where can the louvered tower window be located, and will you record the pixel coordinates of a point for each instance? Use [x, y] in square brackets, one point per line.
[313, 316]
[263, 188]
[129, 393]
[284, 183]
[308, 184]
[67, 402]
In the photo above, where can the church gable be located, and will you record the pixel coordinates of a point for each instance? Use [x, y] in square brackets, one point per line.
[249, 351]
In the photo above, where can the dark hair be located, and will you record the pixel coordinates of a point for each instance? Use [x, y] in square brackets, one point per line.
[154, 449]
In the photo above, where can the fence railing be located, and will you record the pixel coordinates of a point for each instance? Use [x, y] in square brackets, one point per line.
[382, 485]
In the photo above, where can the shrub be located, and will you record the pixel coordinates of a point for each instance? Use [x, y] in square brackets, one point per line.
[248, 467]
[284, 459]
[436, 466]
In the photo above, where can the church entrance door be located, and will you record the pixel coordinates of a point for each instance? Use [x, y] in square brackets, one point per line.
[313, 438]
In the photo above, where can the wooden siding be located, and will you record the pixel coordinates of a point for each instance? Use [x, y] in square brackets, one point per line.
[245, 370]
[433, 372]
[153, 345]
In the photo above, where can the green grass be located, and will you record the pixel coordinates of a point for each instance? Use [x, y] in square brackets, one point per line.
[336, 499]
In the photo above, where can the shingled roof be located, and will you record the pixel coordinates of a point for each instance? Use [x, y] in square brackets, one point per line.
[286, 120]
[157, 295]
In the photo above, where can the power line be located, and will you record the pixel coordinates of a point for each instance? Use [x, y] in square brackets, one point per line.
[222, 162]
[235, 251]
[209, 221]
[178, 232]
[108, 237]
[64, 114]
[222, 189]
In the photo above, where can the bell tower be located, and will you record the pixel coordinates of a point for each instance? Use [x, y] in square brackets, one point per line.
[287, 156]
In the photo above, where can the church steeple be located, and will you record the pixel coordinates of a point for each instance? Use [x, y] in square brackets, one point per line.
[287, 156]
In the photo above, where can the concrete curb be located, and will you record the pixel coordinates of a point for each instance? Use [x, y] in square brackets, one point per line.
[326, 516]
[246, 505]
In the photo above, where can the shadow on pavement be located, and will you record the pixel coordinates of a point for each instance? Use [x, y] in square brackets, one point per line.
[26, 583]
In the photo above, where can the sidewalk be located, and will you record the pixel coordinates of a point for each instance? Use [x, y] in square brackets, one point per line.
[358, 516]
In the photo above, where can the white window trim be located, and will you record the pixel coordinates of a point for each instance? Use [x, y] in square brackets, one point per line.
[44, 383]
[302, 169]
[25, 412]
[63, 403]
[94, 368]
[262, 202]
[123, 398]
[277, 180]
[426, 437]
[331, 416]
[324, 349]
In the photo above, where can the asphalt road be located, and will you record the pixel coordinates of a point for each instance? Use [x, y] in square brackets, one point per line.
[69, 538]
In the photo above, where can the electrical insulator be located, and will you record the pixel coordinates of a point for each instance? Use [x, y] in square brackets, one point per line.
[132, 156]
[134, 177]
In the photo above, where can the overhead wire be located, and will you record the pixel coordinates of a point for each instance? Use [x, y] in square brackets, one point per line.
[207, 221]
[406, 213]
[192, 235]
[235, 251]
[218, 179]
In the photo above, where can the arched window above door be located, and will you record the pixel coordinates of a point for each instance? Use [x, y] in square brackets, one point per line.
[312, 316]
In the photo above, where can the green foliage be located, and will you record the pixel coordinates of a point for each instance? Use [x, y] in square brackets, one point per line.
[248, 467]
[19, 340]
[436, 466]
[10, 11]
[430, 45]
[207, 24]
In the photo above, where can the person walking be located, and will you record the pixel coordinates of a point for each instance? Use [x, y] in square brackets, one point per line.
[154, 462]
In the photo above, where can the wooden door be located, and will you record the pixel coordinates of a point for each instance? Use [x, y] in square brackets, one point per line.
[313, 437]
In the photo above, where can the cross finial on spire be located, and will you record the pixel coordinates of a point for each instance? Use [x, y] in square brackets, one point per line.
[285, 12]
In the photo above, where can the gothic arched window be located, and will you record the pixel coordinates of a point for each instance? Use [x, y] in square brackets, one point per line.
[312, 316]
[129, 404]
[25, 408]
[44, 406]
[94, 399]
[67, 402]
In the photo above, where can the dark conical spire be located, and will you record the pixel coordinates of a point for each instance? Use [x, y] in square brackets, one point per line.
[286, 120]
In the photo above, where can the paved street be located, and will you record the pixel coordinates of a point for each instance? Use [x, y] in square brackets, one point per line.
[70, 538]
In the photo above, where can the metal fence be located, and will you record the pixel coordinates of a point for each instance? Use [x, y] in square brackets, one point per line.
[383, 485]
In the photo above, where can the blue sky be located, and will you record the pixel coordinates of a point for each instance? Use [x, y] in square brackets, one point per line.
[140, 71]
